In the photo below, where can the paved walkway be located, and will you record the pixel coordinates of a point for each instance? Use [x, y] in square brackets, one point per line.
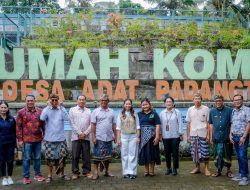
[183, 181]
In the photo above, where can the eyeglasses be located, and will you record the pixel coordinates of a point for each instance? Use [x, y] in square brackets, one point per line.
[54, 100]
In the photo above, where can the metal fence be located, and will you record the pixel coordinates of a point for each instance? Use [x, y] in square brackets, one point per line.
[17, 22]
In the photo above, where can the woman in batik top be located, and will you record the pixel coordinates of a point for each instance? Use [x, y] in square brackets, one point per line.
[149, 153]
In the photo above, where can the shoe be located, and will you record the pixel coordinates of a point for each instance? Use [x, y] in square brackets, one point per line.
[74, 177]
[65, 178]
[126, 176]
[48, 179]
[26, 180]
[237, 178]
[10, 181]
[244, 181]
[39, 178]
[229, 174]
[132, 177]
[174, 172]
[5, 182]
[169, 171]
[216, 174]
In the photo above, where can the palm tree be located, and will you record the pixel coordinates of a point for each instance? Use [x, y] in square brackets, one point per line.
[241, 9]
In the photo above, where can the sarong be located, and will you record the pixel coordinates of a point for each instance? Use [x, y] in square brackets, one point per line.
[55, 154]
[148, 152]
[223, 155]
[102, 151]
[199, 149]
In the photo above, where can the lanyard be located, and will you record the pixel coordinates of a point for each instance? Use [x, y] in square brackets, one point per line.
[168, 119]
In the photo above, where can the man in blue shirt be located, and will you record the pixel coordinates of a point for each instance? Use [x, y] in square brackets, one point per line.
[220, 122]
[239, 136]
[54, 116]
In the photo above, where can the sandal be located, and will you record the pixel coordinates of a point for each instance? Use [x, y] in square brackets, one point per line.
[65, 178]
[229, 174]
[48, 180]
[94, 177]
[146, 174]
[88, 175]
[207, 173]
[151, 174]
[195, 171]
[107, 174]
[216, 174]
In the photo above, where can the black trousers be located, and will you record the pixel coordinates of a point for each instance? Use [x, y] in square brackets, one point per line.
[171, 148]
[81, 148]
[7, 158]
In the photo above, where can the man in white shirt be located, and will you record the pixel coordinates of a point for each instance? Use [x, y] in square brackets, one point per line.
[198, 133]
[81, 128]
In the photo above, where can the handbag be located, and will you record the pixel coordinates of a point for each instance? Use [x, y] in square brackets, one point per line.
[18, 154]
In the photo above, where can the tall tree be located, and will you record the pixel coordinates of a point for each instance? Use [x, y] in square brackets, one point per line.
[129, 4]
[128, 7]
[173, 4]
[105, 5]
[23, 4]
[84, 3]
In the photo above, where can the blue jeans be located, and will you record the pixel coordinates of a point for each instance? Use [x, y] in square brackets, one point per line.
[35, 149]
[241, 152]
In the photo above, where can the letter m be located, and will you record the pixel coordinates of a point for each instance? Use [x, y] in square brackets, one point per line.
[55, 60]
[225, 63]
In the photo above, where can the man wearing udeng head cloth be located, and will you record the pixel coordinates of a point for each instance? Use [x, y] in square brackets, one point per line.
[54, 116]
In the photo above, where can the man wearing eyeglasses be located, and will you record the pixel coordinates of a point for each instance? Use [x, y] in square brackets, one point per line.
[239, 136]
[103, 129]
[220, 122]
[54, 116]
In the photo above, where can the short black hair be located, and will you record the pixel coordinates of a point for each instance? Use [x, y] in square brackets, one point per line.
[104, 96]
[54, 96]
[168, 97]
[81, 95]
[220, 97]
[30, 95]
[197, 95]
[239, 96]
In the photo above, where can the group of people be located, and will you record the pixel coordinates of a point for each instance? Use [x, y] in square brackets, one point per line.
[224, 128]
[138, 135]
